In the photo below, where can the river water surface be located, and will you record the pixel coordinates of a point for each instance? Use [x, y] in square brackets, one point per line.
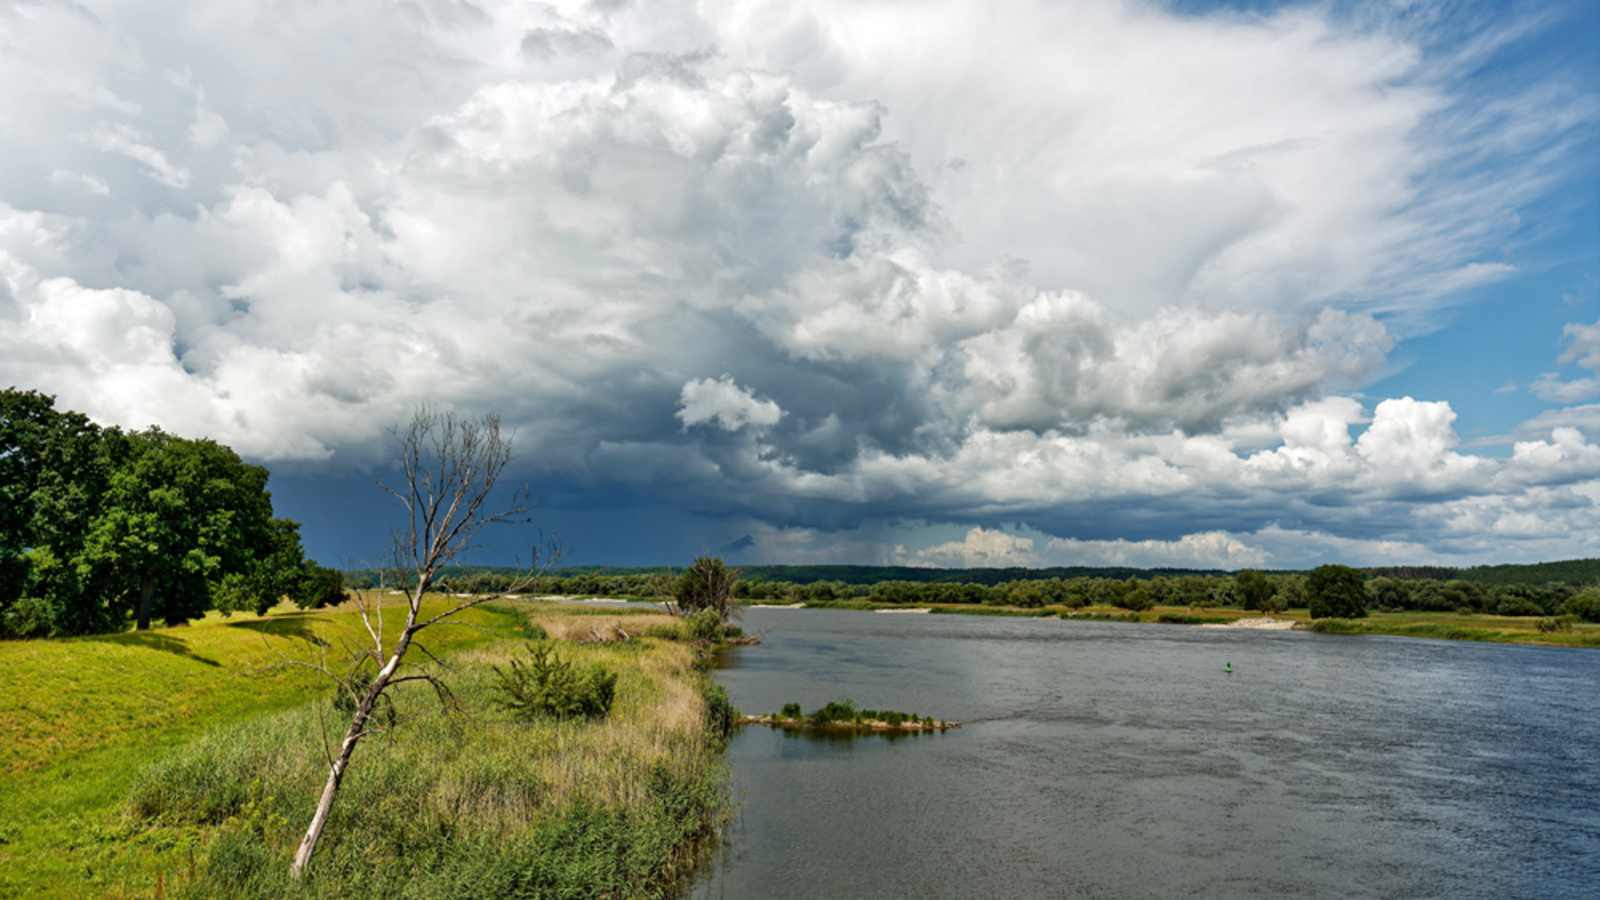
[1107, 760]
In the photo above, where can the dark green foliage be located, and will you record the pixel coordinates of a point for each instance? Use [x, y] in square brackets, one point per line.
[1336, 592]
[844, 714]
[28, 617]
[720, 713]
[833, 711]
[1388, 593]
[54, 468]
[547, 685]
[1572, 571]
[1178, 619]
[1585, 606]
[1518, 606]
[1255, 590]
[1557, 624]
[101, 527]
[318, 587]
[708, 584]
[1135, 597]
[280, 571]
[486, 583]
[705, 625]
[1291, 591]
[178, 517]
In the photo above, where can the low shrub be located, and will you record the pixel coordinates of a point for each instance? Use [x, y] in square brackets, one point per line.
[1557, 624]
[28, 617]
[705, 625]
[1518, 606]
[834, 711]
[547, 685]
[720, 713]
[1336, 626]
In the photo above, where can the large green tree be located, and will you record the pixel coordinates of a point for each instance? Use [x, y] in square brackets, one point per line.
[708, 584]
[179, 516]
[1256, 590]
[54, 470]
[98, 526]
[1336, 592]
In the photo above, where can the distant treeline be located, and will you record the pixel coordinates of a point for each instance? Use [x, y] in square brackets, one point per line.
[869, 575]
[1573, 572]
[1247, 589]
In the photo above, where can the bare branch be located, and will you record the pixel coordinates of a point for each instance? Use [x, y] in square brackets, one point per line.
[451, 467]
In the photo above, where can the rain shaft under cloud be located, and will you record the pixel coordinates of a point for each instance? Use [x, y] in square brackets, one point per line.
[1079, 282]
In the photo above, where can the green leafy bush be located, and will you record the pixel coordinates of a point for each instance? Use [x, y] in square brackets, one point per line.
[720, 713]
[1585, 606]
[546, 685]
[1557, 624]
[28, 617]
[705, 625]
[835, 711]
[1518, 606]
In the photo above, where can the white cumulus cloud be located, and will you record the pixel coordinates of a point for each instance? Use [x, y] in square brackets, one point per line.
[727, 404]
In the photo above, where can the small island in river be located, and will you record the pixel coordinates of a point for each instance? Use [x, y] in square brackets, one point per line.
[842, 714]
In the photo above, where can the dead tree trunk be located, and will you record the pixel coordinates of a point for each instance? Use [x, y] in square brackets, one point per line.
[451, 467]
[347, 748]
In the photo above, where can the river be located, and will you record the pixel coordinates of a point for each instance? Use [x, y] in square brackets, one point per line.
[1110, 760]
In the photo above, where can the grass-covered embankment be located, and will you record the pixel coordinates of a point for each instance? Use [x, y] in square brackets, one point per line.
[158, 764]
[1440, 625]
[1457, 627]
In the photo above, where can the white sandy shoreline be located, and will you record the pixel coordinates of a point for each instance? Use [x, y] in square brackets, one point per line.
[1265, 623]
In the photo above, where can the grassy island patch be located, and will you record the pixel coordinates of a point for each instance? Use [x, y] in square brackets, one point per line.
[842, 714]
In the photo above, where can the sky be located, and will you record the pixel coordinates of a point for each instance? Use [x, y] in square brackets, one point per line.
[896, 282]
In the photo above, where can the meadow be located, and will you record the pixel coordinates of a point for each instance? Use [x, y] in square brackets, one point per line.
[185, 762]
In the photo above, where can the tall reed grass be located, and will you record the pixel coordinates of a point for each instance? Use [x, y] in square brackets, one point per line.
[463, 800]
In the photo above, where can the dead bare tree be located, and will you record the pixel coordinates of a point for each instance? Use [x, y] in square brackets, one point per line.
[452, 466]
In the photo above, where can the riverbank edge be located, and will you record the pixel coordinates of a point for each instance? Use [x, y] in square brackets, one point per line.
[1434, 626]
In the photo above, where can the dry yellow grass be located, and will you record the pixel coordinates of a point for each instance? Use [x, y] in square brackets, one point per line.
[656, 720]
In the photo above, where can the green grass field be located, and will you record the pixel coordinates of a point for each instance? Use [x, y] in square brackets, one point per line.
[92, 728]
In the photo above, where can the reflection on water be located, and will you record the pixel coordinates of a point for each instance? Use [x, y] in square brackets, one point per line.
[1107, 760]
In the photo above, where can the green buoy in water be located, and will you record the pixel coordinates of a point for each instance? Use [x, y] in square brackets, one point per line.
[1228, 668]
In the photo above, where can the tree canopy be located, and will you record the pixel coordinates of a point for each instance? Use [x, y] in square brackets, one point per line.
[1336, 592]
[99, 526]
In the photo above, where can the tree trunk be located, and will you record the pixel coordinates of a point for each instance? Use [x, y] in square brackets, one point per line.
[147, 593]
[347, 747]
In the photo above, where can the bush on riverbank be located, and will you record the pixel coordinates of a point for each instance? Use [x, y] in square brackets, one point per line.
[544, 684]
